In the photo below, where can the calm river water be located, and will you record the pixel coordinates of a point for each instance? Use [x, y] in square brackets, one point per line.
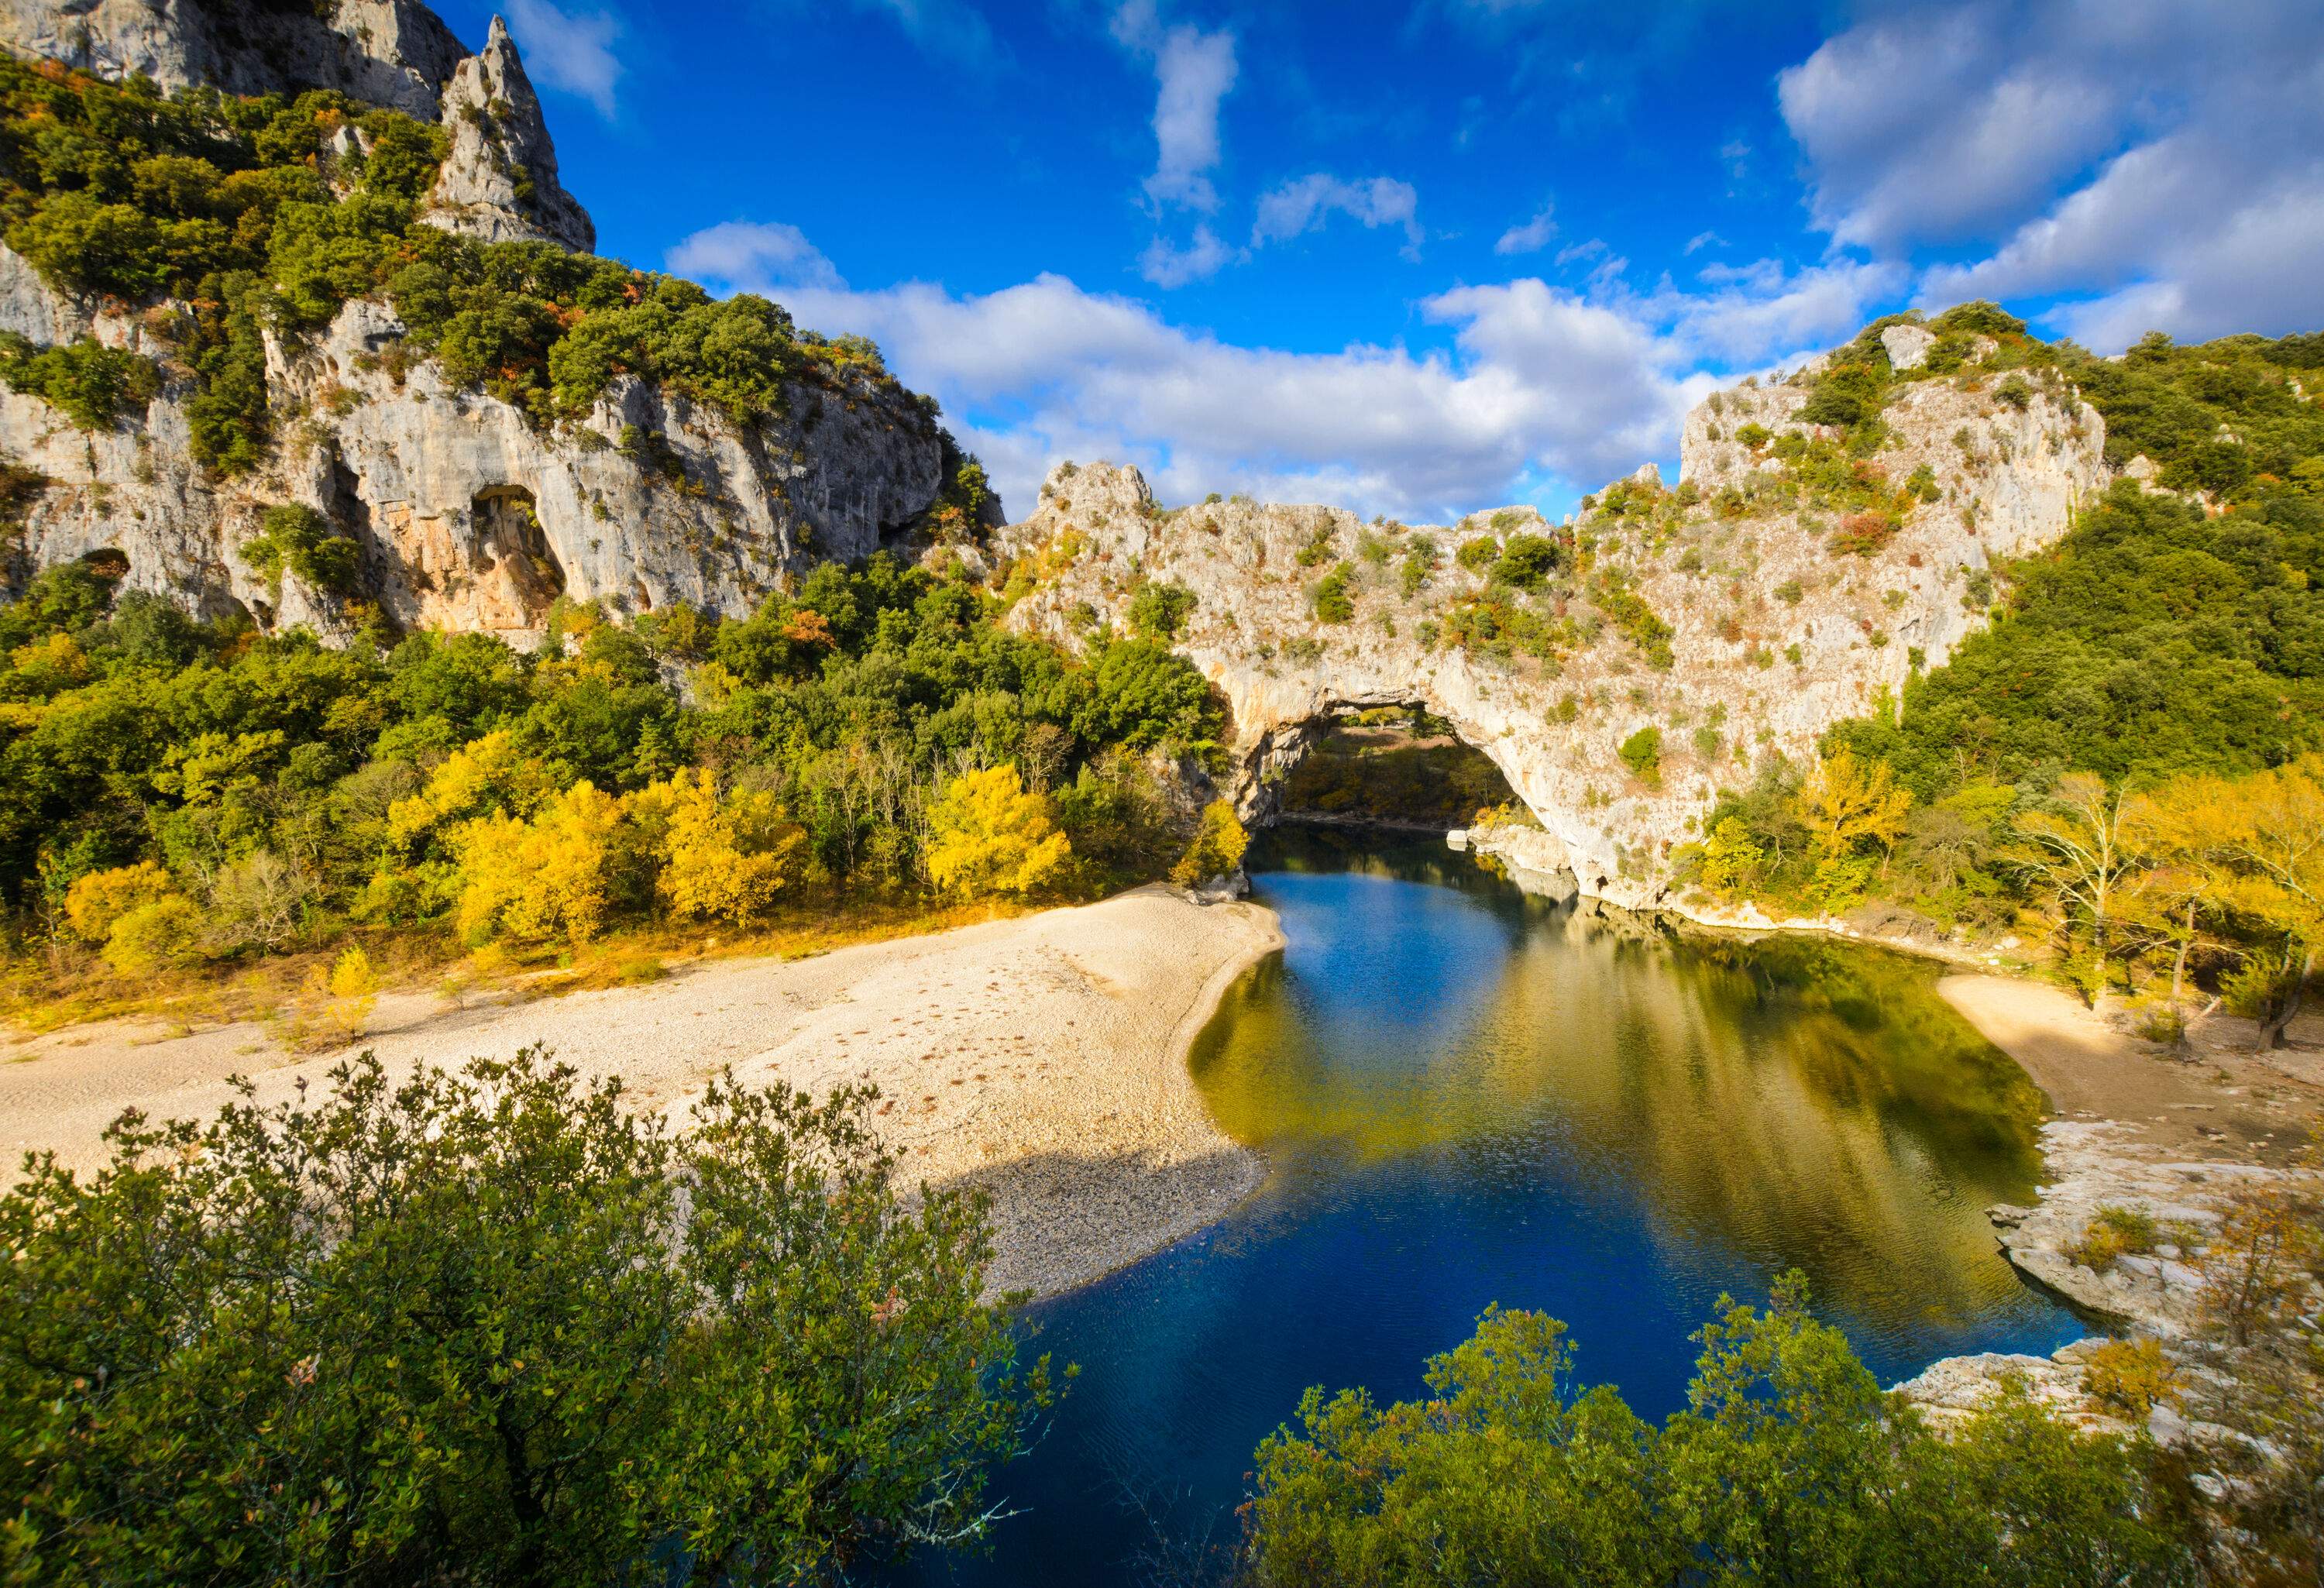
[1468, 1097]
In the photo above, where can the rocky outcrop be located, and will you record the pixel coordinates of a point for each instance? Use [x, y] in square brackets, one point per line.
[393, 52]
[499, 181]
[469, 513]
[1773, 634]
[469, 516]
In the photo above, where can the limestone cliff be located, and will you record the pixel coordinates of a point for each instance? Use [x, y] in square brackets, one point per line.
[500, 182]
[468, 515]
[1782, 619]
[469, 512]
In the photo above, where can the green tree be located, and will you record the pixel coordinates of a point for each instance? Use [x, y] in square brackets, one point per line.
[496, 1328]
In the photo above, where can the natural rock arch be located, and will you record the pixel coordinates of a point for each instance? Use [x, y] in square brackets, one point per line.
[1773, 632]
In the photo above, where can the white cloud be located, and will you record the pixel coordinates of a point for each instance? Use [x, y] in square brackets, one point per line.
[1530, 238]
[1166, 265]
[571, 51]
[1303, 205]
[753, 256]
[2158, 166]
[1193, 71]
[1541, 385]
[1701, 240]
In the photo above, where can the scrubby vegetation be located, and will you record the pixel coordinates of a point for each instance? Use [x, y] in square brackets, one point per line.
[1788, 1465]
[2115, 770]
[181, 794]
[229, 214]
[497, 1328]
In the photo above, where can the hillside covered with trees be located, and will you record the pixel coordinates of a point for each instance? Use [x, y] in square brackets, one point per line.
[2125, 766]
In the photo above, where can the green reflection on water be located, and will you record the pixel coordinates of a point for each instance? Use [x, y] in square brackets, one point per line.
[1813, 1103]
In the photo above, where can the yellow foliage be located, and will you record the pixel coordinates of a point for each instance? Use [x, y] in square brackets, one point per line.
[721, 858]
[96, 900]
[1847, 800]
[347, 991]
[486, 774]
[536, 880]
[989, 835]
[1217, 849]
[2130, 1375]
[161, 932]
[1730, 861]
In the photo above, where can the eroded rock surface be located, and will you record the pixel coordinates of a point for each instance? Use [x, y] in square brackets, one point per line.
[1773, 634]
[499, 181]
[469, 515]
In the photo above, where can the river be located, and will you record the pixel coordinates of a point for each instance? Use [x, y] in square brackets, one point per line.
[1468, 1096]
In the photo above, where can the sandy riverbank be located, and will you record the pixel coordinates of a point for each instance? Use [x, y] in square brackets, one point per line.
[1043, 1058]
[2216, 1098]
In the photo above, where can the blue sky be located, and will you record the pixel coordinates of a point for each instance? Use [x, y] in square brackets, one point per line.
[1430, 256]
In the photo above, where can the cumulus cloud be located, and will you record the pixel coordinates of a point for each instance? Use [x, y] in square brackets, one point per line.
[2157, 166]
[753, 256]
[1529, 236]
[1166, 265]
[1540, 385]
[1305, 204]
[1193, 71]
[571, 51]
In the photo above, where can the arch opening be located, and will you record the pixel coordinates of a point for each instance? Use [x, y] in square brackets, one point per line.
[1399, 766]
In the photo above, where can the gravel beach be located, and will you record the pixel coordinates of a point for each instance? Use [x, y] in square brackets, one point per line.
[1043, 1058]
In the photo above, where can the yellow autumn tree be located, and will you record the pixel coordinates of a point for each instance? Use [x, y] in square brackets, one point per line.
[1217, 849]
[988, 835]
[1846, 802]
[95, 901]
[720, 858]
[551, 876]
[486, 774]
[2078, 844]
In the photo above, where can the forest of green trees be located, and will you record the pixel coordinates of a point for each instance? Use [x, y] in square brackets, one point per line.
[2125, 767]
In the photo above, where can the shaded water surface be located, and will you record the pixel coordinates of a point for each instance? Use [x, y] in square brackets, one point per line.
[1467, 1096]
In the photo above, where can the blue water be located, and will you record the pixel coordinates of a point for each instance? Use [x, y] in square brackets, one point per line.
[1467, 1096]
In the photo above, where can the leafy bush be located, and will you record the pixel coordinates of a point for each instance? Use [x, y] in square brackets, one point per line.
[1788, 1464]
[294, 538]
[497, 1328]
[2132, 1376]
[2114, 1232]
[1160, 611]
[90, 383]
[1217, 849]
[1642, 752]
[1334, 599]
[1526, 560]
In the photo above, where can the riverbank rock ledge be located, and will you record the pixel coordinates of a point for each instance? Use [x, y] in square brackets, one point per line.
[1774, 631]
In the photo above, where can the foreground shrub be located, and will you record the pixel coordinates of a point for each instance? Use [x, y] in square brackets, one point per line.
[494, 1328]
[1787, 1466]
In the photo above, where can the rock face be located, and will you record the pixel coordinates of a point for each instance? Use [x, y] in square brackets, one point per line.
[1775, 635]
[469, 517]
[393, 52]
[499, 183]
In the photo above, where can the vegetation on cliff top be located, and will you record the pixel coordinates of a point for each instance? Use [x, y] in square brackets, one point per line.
[230, 215]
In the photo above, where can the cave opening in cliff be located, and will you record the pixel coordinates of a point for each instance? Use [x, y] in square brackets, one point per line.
[513, 551]
[107, 562]
[1391, 765]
